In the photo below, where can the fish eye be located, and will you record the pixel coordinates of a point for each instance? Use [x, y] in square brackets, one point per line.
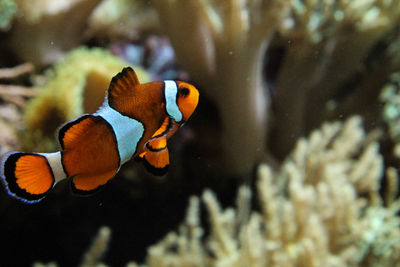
[184, 91]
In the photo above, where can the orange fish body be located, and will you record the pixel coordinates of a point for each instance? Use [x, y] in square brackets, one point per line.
[135, 120]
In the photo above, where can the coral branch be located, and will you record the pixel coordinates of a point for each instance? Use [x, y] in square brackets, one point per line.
[329, 42]
[46, 20]
[15, 90]
[98, 247]
[315, 211]
[122, 19]
[228, 40]
[9, 73]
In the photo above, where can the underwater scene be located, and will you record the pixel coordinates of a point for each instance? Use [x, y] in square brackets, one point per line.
[189, 133]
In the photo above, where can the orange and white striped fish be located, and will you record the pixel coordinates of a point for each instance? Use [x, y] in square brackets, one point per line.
[135, 120]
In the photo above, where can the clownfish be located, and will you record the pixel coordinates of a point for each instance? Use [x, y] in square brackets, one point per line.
[135, 121]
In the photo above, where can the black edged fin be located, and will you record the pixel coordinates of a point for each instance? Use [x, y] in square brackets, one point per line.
[122, 83]
[84, 193]
[156, 144]
[86, 185]
[156, 162]
[158, 141]
[26, 176]
[67, 126]
[138, 158]
[154, 170]
[164, 129]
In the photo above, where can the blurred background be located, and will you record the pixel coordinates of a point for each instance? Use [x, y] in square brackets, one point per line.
[290, 159]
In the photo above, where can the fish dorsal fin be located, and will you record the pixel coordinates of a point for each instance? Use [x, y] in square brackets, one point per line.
[122, 83]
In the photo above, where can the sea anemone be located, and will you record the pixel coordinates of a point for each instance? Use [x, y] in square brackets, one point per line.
[74, 86]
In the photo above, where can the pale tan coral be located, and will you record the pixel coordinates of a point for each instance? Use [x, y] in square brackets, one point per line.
[330, 45]
[57, 26]
[390, 97]
[12, 92]
[190, 251]
[15, 96]
[98, 248]
[122, 19]
[94, 253]
[40, 264]
[225, 57]
[9, 118]
[321, 209]
[9, 73]
[326, 45]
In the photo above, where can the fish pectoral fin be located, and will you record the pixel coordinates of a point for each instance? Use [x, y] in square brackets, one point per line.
[167, 128]
[156, 156]
[156, 162]
[159, 139]
[156, 144]
[164, 128]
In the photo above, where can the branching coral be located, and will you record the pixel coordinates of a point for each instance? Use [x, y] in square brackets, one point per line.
[93, 256]
[222, 44]
[122, 19]
[98, 247]
[390, 96]
[321, 209]
[57, 27]
[8, 135]
[331, 66]
[12, 92]
[15, 95]
[74, 86]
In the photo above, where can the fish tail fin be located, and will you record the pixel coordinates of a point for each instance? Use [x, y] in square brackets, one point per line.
[30, 176]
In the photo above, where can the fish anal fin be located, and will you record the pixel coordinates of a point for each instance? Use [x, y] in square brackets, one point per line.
[123, 83]
[90, 183]
[156, 162]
